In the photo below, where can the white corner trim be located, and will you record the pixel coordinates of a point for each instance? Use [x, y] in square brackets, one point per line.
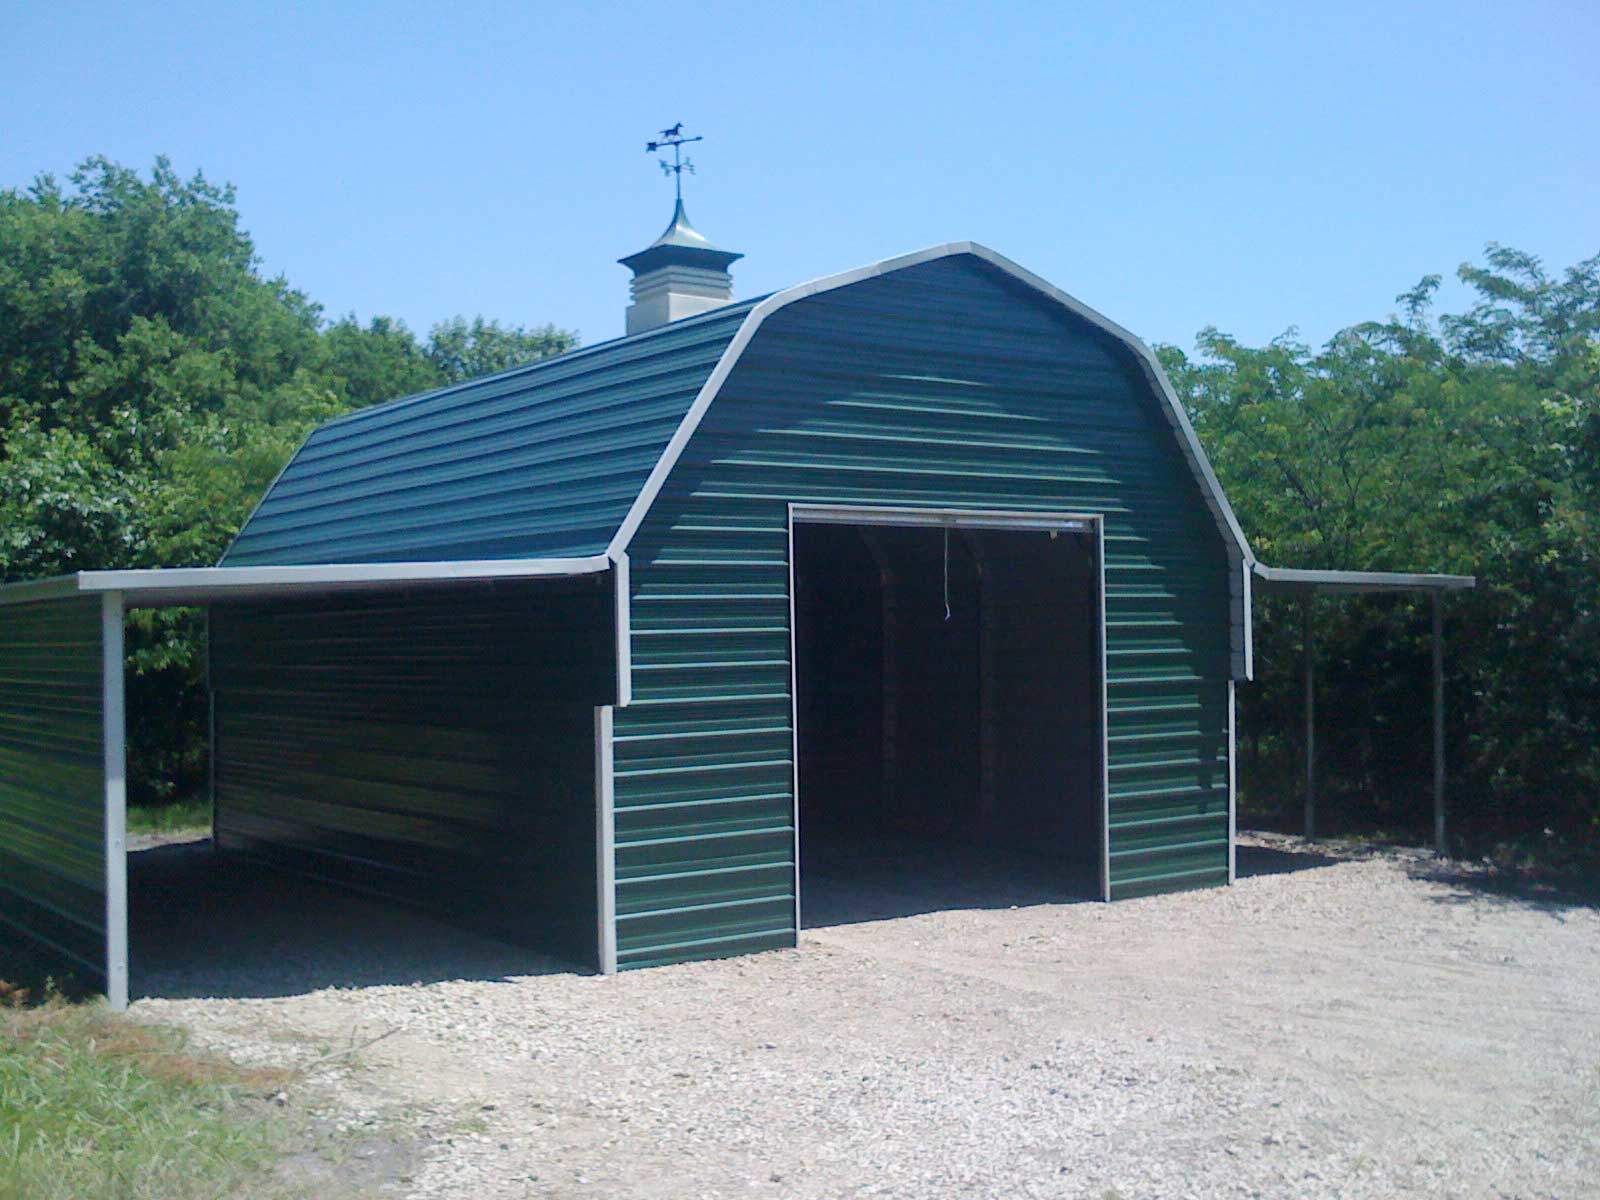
[1105, 711]
[794, 724]
[622, 610]
[1246, 570]
[605, 842]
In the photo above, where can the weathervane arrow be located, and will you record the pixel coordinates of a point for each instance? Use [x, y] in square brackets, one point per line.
[673, 136]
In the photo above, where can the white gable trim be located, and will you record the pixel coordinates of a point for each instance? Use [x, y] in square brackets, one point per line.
[1240, 557]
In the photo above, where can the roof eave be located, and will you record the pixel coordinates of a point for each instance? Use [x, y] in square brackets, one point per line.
[1307, 581]
[181, 586]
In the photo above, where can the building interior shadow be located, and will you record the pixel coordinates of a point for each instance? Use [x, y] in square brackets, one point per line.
[204, 924]
[846, 881]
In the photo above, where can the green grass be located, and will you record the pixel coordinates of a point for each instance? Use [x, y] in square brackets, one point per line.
[98, 1107]
[177, 817]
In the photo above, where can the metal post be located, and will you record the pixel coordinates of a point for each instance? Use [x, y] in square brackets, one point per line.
[605, 841]
[1310, 638]
[1439, 843]
[1233, 785]
[113, 714]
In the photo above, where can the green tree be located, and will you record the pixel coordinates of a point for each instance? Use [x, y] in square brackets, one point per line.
[466, 351]
[378, 361]
[1467, 443]
[152, 384]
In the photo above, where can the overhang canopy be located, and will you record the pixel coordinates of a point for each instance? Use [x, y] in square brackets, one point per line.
[1308, 585]
[171, 586]
[1305, 582]
[63, 879]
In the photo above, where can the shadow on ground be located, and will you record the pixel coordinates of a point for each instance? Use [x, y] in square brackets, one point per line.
[844, 883]
[1264, 852]
[210, 925]
[1250, 861]
[1550, 893]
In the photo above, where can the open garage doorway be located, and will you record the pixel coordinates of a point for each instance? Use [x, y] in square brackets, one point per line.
[949, 711]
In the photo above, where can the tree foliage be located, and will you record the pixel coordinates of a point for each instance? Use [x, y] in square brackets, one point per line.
[153, 382]
[1467, 443]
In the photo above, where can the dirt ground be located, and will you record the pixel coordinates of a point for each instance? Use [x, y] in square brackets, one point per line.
[1359, 1023]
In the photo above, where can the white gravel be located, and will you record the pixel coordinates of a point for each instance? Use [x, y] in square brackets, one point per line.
[1343, 1028]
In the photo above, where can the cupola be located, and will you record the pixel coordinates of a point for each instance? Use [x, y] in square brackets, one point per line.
[678, 275]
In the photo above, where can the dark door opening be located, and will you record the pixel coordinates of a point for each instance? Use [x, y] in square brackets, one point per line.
[949, 716]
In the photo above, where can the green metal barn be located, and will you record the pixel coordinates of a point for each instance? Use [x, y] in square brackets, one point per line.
[599, 653]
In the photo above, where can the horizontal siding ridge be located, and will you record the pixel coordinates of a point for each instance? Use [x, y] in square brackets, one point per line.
[749, 831]
[702, 768]
[713, 906]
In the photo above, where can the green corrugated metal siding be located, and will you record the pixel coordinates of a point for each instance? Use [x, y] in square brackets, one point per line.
[943, 384]
[52, 779]
[543, 461]
[433, 747]
[940, 385]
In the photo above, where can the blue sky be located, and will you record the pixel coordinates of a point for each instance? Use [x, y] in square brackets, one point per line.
[1252, 166]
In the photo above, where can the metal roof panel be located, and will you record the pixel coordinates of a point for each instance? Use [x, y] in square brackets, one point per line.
[542, 461]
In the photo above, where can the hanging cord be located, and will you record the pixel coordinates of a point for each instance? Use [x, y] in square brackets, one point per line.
[947, 572]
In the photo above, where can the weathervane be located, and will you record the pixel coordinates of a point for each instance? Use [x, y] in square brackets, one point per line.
[673, 137]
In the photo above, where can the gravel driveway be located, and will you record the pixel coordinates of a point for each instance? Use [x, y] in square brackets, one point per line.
[1354, 1026]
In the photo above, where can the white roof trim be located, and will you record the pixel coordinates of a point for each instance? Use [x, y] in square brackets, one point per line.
[1240, 557]
[953, 518]
[208, 585]
[1210, 488]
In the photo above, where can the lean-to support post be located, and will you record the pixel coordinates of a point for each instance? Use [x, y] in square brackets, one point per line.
[1309, 636]
[605, 842]
[114, 717]
[1233, 784]
[1440, 842]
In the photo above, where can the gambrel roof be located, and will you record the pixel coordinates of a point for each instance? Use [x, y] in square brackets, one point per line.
[543, 461]
[562, 458]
